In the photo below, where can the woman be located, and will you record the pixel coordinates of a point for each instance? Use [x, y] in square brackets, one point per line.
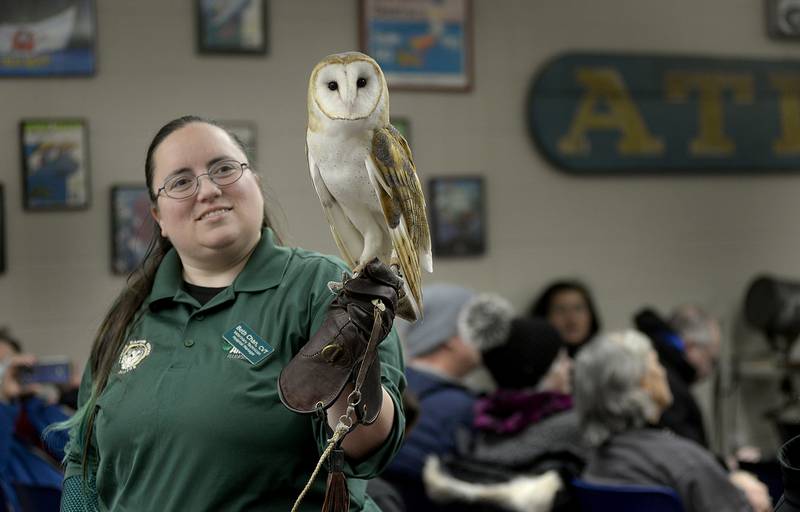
[620, 391]
[174, 415]
[568, 307]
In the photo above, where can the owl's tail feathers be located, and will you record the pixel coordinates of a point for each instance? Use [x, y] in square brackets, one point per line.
[407, 307]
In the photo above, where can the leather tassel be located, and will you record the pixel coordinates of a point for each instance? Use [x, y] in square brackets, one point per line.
[337, 496]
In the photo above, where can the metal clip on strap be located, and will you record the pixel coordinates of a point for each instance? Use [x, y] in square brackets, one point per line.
[346, 423]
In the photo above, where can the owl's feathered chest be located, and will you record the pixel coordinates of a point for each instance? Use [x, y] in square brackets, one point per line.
[341, 163]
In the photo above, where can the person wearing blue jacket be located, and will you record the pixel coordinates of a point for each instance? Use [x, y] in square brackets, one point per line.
[26, 458]
[438, 356]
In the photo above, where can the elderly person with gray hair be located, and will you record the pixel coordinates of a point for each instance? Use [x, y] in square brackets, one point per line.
[620, 391]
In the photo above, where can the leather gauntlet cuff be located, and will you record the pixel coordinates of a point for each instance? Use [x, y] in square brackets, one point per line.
[331, 359]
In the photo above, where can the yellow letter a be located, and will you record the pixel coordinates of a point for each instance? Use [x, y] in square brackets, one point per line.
[605, 84]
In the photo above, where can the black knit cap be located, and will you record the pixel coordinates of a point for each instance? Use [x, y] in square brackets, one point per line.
[526, 356]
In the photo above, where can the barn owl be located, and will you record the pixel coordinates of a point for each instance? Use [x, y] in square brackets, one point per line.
[364, 174]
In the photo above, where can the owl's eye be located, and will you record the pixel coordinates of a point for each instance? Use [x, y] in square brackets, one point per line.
[333, 86]
[361, 82]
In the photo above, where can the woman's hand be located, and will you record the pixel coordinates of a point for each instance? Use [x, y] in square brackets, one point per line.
[754, 490]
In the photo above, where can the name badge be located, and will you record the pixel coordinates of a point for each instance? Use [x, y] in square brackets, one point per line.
[252, 346]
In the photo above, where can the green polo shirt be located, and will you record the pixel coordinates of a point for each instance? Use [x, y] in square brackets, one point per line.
[194, 426]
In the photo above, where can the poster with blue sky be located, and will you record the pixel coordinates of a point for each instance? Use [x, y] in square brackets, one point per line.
[419, 44]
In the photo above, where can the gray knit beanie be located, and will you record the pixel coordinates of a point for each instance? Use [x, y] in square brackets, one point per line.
[441, 306]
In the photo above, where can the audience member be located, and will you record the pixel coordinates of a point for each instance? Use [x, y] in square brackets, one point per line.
[25, 459]
[621, 390]
[438, 356]
[688, 347]
[526, 426]
[383, 493]
[569, 308]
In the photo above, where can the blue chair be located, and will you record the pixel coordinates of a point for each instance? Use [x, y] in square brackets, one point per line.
[38, 499]
[625, 498]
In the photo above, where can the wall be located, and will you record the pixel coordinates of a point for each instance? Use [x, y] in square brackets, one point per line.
[656, 240]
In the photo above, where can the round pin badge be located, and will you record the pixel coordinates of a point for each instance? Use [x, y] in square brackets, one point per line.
[133, 354]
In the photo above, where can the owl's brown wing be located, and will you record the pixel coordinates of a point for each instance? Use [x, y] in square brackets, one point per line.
[394, 177]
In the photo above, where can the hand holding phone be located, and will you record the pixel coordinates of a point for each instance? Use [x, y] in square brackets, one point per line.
[46, 371]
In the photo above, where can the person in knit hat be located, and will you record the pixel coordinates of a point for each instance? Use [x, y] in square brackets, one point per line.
[528, 361]
[526, 426]
[438, 356]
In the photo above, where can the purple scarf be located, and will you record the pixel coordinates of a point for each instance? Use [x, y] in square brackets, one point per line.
[507, 411]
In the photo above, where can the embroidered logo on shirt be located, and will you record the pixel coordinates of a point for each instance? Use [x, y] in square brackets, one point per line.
[233, 352]
[133, 354]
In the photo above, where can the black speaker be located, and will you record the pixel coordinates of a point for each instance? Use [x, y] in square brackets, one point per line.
[783, 18]
[773, 307]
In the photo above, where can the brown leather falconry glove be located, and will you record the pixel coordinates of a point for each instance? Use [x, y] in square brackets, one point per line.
[359, 318]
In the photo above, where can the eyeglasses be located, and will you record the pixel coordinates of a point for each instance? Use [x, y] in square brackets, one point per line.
[222, 174]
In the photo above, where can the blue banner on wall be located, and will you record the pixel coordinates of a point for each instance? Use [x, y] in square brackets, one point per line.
[593, 113]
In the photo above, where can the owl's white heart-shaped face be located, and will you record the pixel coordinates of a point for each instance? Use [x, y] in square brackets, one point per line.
[348, 91]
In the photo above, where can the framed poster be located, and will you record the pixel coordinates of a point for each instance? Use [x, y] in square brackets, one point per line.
[232, 27]
[245, 131]
[55, 164]
[132, 227]
[457, 216]
[47, 38]
[419, 44]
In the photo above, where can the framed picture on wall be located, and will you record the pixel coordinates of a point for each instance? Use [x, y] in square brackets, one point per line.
[47, 38]
[419, 44]
[55, 164]
[245, 131]
[458, 226]
[403, 126]
[132, 227]
[2, 230]
[231, 27]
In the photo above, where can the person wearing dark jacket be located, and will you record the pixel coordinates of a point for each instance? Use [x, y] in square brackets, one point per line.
[688, 347]
[620, 391]
[525, 428]
[26, 460]
[789, 457]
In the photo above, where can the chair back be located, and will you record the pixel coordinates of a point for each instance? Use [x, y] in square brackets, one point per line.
[625, 498]
[38, 499]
